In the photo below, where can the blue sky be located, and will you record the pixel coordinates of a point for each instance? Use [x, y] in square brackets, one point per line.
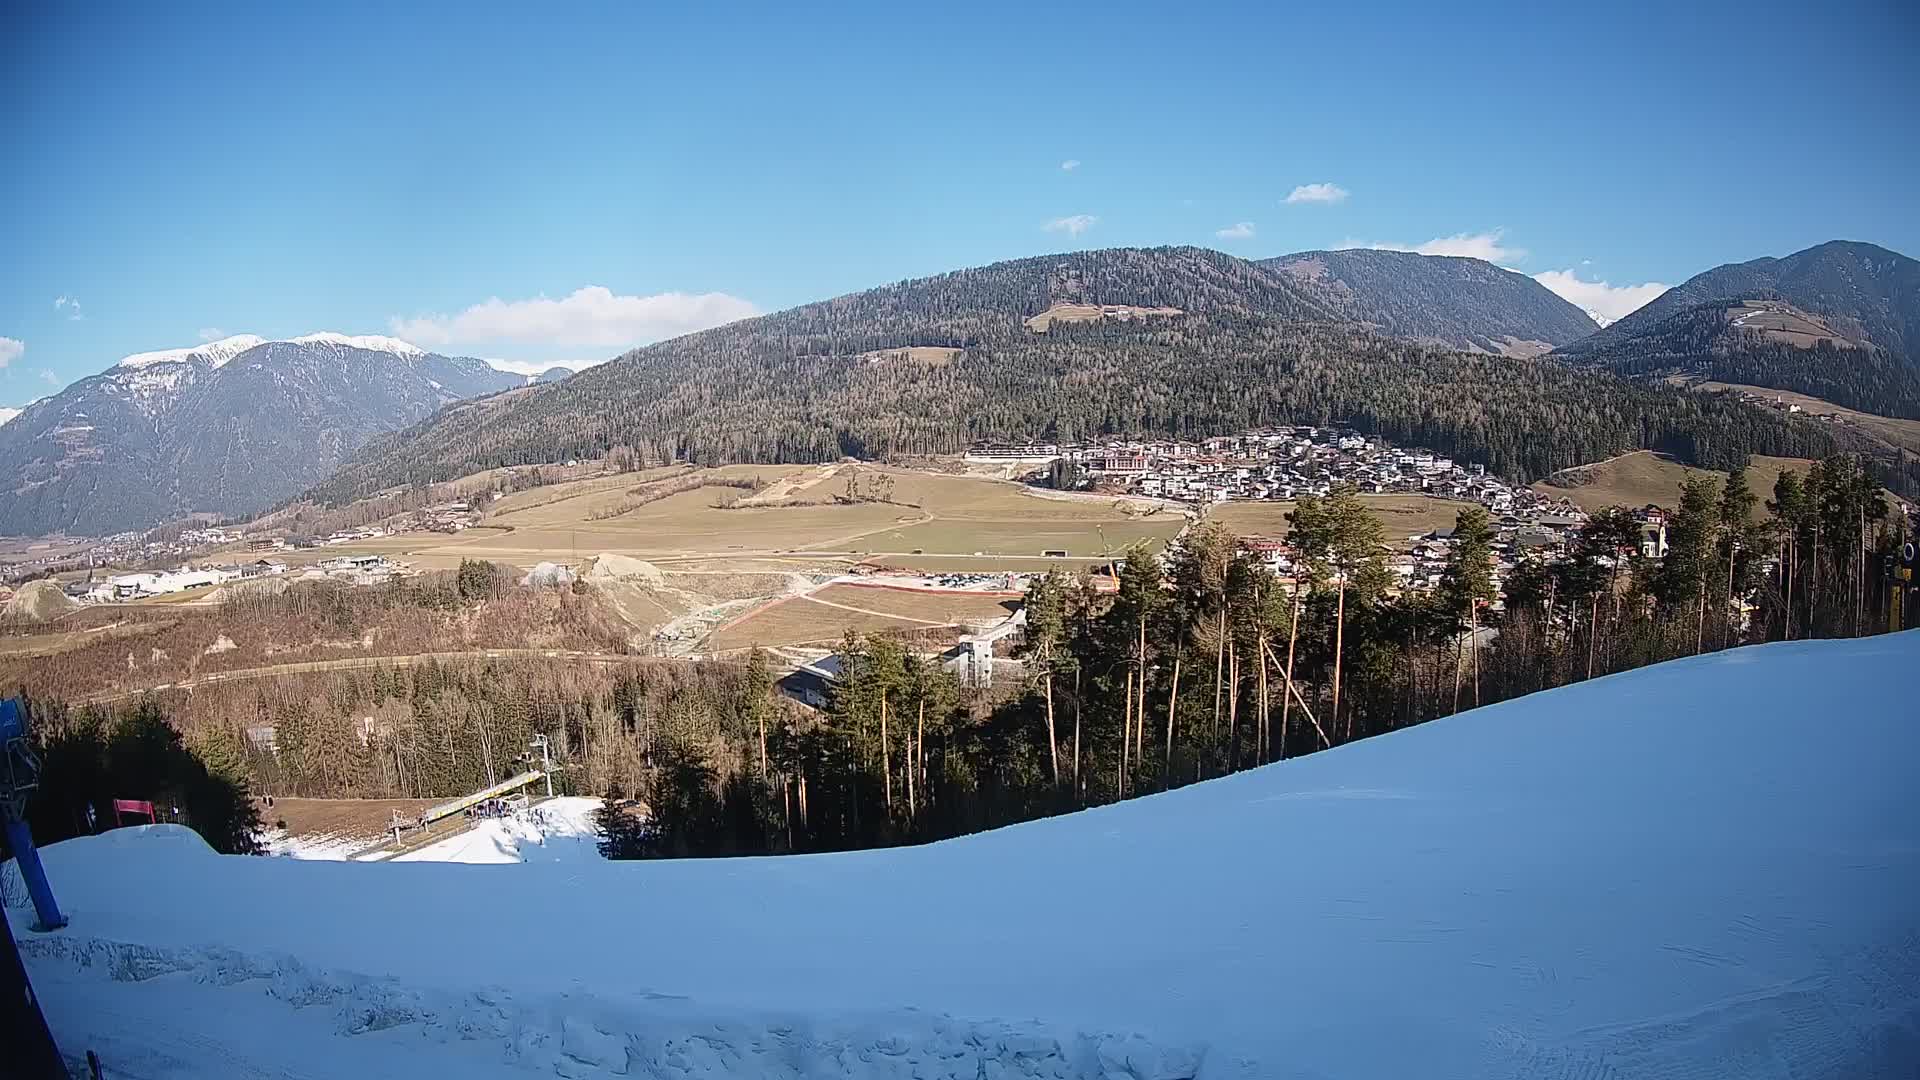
[486, 181]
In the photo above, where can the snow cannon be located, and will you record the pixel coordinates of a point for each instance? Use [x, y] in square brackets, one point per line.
[18, 778]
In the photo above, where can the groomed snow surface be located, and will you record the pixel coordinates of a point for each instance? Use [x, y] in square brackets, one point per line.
[554, 830]
[1708, 868]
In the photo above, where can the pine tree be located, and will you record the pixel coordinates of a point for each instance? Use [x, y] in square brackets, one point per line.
[1467, 584]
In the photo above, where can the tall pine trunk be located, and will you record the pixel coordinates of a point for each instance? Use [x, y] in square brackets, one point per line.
[1263, 742]
[1339, 641]
[1173, 704]
[1286, 700]
[1140, 692]
[886, 755]
[1233, 707]
[1219, 669]
[1813, 581]
[913, 761]
[1593, 629]
[1473, 643]
[1053, 744]
[1078, 790]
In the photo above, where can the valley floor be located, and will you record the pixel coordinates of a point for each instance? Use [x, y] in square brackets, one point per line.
[1702, 868]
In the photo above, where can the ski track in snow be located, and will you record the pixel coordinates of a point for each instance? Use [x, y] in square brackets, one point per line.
[82, 983]
[1706, 868]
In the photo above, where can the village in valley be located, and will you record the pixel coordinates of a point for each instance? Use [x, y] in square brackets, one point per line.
[1247, 481]
[1280, 465]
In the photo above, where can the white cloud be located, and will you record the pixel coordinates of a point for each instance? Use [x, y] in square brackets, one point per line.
[212, 333]
[1070, 164]
[7, 415]
[594, 315]
[48, 376]
[537, 367]
[1486, 246]
[1073, 225]
[1317, 193]
[69, 305]
[1238, 231]
[1606, 303]
[11, 349]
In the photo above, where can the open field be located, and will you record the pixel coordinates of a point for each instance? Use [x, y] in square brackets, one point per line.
[1644, 477]
[1904, 434]
[929, 514]
[939, 608]
[1403, 516]
[979, 564]
[15, 549]
[798, 621]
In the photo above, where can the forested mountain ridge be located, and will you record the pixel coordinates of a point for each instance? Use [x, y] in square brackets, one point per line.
[230, 427]
[1840, 321]
[1862, 291]
[1250, 346]
[1771, 343]
[1458, 303]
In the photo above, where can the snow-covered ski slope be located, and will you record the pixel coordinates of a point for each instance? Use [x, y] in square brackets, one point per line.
[1709, 868]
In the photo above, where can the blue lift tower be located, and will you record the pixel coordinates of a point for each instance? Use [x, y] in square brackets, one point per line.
[24, 1037]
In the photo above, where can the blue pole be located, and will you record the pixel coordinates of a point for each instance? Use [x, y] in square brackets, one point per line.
[20, 838]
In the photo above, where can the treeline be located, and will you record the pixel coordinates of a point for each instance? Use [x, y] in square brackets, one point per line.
[642, 494]
[443, 728]
[1207, 664]
[271, 622]
[1254, 347]
[91, 757]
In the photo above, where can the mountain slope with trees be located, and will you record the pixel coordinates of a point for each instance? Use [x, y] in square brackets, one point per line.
[1840, 321]
[1770, 343]
[1864, 291]
[231, 428]
[1459, 303]
[1234, 344]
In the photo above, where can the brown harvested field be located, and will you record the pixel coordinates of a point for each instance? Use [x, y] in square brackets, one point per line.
[984, 564]
[1644, 477]
[21, 548]
[1895, 431]
[800, 621]
[941, 607]
[929, 513]
[1019, 537]
[1402, 516]
[367, 818]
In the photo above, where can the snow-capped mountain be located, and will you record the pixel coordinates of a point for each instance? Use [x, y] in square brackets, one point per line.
[7, 415]
[230, 426]
[209, 354]
[1601, 320]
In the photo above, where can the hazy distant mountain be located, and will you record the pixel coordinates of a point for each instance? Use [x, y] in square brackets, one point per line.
[1181, 341]
[552, 374]
[1840, 321]
[1461, 303]
[229, 427]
